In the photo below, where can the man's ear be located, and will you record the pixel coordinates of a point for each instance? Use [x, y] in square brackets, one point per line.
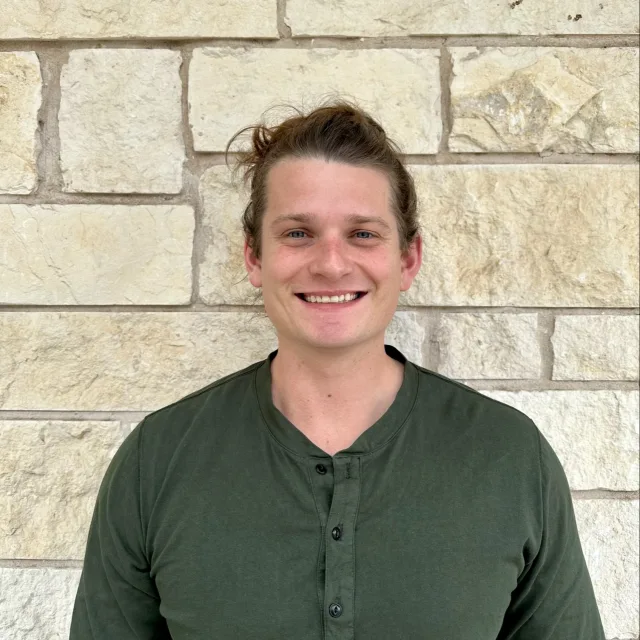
[253, 265]
[411, 261]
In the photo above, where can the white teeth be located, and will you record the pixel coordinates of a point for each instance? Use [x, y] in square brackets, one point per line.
[331, 299]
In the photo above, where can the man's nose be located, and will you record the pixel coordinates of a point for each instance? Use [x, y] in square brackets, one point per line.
[331, 258]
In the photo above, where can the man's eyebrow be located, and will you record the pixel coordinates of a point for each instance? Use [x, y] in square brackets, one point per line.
[352, 218]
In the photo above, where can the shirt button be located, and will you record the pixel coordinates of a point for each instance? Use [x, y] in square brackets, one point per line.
[321, 469]
[335, 610]
[336, 533]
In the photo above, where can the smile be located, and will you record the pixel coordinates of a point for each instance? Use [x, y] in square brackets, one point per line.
[335, 300]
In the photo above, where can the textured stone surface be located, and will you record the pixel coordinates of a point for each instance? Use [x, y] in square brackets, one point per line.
[484, 345]
[564, 100]
[527, 235]
[596, 348]
[230, 89]
[50, 473]
[20, 94]
[594, 433]
[36, 604]
[96, 254]
[223, 276]
[609, 538]
[407, 332]
[145, 18]
[122, 361]
[407, 17]
[120, 121]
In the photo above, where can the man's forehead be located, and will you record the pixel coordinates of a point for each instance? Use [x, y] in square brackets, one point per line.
[297, 175]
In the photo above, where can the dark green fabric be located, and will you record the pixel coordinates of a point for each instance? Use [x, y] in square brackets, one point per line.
[215, 522]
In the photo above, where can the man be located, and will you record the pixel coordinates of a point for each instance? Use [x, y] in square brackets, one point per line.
[334, 490]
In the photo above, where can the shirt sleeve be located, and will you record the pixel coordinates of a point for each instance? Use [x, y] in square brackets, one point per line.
[116, 596]
[554, 597]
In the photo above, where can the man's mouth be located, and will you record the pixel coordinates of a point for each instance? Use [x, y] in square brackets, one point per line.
[341, 299]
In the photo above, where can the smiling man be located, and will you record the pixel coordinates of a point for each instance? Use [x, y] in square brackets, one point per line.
[334, 490]
[331, 279]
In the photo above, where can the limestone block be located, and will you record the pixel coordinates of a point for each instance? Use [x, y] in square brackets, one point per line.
[596, 348]
[594, 433]
[141, 19]
[485, 345]
[50, 472]
[37, 603]
[120, 121]
[407, 333]
[406, 18]
[122, 361]
[230, 88]
[223, 276]
[609, 538]
[528, 235]
[96, 254]
[20, 95]
[563, 100]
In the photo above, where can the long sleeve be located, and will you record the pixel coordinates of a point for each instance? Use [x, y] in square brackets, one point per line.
[116, 596]
[554, 598]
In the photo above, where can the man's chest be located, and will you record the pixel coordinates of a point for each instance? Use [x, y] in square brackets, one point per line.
[338, 553]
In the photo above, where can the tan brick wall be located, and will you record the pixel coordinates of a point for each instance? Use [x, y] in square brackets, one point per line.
[120, 236]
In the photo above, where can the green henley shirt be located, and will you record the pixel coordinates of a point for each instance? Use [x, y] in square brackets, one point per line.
[450, 518]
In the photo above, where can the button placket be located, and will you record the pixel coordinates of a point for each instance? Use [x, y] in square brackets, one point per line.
[321, 479]
[339, 550]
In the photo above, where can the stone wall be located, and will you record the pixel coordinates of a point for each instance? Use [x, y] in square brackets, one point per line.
[120, 264]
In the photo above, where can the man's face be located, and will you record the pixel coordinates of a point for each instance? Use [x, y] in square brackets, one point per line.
[313, 244]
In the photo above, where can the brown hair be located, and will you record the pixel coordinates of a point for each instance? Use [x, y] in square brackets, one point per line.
[338, 132]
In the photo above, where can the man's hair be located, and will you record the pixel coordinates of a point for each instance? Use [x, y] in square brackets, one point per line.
[339, 131]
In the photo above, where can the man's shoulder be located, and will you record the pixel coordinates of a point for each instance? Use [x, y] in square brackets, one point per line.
[473, 431]
[460, 404]
[221, 395]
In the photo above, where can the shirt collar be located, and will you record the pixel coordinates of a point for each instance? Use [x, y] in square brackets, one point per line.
[374, 437]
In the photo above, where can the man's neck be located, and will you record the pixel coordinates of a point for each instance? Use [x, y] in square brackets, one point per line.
[334, 397]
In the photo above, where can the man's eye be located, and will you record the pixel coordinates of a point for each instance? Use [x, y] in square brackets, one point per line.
[290, 234]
